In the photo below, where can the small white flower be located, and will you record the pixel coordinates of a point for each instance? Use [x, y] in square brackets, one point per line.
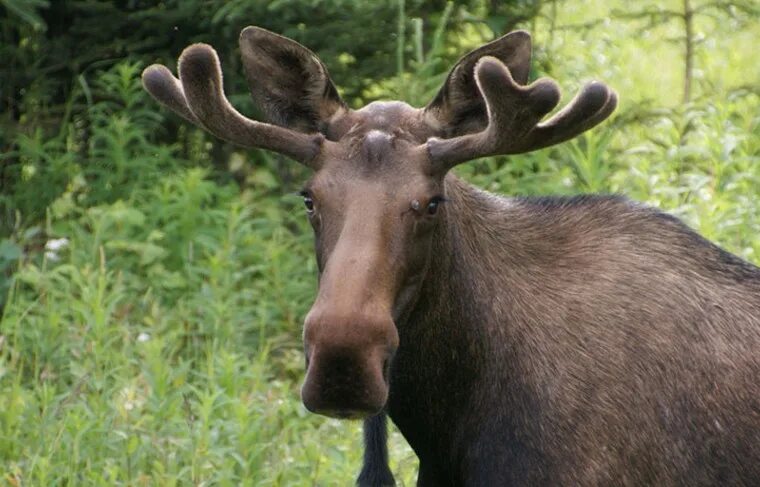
[52, 256]
[57, 244]
[130, 398]
[143, 337]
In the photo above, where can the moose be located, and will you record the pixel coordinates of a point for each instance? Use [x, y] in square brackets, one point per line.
[586, 340]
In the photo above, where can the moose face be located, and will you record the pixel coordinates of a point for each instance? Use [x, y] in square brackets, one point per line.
[373, 205]
[376, 195]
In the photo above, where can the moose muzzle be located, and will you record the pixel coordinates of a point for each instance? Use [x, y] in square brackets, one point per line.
[347, 357]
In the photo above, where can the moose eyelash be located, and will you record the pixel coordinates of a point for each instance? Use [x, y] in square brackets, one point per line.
[436, 199]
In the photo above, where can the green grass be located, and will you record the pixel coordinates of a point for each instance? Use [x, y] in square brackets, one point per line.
[163, 348]
[161, 344]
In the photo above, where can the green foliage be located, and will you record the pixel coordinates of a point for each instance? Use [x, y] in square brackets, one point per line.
[167, 333]
[26, 10]
[44, 55]
[151, 306]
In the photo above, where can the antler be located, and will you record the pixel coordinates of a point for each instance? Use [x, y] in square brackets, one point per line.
[514, 113]
[198, 96]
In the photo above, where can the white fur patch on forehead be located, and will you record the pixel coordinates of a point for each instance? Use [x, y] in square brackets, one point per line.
[377, 137]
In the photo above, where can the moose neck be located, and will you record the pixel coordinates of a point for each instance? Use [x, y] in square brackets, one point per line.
[458, 325]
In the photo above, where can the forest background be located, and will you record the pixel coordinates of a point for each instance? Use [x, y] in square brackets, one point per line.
[153, 280]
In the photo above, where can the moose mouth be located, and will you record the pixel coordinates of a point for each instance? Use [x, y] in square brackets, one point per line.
[344, 414]
[345, 384]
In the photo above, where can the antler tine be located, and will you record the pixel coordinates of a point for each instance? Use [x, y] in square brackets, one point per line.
[591, 106]
[167, 90]
[514, 113]
[198, 96]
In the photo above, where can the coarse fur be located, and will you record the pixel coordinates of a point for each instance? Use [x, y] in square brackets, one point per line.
[514, 341]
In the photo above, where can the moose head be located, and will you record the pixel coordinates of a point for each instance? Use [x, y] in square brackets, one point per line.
[377, 193]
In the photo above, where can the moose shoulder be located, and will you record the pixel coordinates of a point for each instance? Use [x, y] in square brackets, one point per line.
[514, 341]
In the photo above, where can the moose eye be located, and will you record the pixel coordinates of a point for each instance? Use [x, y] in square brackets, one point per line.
[308, 201]
[435, 202]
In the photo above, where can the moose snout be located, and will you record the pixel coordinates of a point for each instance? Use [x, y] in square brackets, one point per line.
[348, 358]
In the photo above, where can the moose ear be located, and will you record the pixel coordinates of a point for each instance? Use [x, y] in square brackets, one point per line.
[459, 108]
[288, 82]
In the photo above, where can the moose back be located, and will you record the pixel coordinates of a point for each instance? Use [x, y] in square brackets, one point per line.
[514, 341]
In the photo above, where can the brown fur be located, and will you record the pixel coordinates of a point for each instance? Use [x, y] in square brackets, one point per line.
[595, 342]
[523, 341]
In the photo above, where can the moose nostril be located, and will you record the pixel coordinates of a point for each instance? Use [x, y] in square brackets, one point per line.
[386, 368]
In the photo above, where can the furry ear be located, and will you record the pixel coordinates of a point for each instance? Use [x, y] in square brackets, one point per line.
[288, 82]
[459, 108]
